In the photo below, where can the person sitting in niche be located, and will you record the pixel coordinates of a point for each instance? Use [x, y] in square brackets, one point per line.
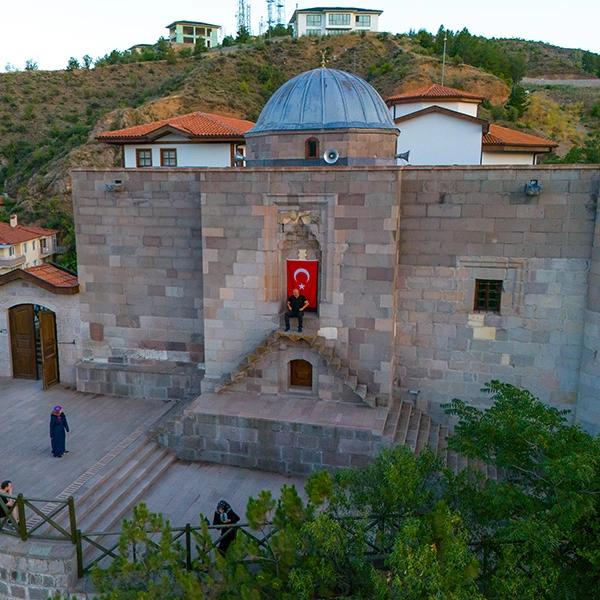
[296, 304]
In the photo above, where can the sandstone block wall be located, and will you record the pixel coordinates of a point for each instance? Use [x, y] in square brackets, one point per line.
[283, 447]
[463, 224]
[140, 268]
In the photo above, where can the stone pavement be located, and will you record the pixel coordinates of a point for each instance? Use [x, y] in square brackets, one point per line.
[98, 423]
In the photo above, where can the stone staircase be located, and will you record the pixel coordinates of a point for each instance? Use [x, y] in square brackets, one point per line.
[409, 425]
[337, 365]
[107, 498]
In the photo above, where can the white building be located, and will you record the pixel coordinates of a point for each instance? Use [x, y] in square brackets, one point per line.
[332, 21]
[193, 140]
[439, 126]
[24, 246]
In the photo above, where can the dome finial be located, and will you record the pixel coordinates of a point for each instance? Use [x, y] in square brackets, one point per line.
[323, 58]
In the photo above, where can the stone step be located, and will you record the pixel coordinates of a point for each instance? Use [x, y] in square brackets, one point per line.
[413, 429]
[391, 420]
[423, 433]
[405, 416]
[361, 390]
[434, 437]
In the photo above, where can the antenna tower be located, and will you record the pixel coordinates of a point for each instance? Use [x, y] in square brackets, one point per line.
[244, 18]
[270, 14]
[280, 12]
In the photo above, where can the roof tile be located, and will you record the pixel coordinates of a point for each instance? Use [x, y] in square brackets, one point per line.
[53, 275]
[434, 91]
[503, 136]
[196, 125]
[22, 233]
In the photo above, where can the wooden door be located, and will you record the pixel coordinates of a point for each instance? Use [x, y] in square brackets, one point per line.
[22, 341]
[49, 347]
[300, 373]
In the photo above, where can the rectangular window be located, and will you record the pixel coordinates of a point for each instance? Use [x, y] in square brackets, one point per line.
[189, 40]
[143, 157]
[339, 19]
[337, 31]
[188, 30]
[363, 20]
[314, 20]
[11, 251]
[201, 31]
[25, 247]
[488, 295]
[44, 243]
[315, 32]
[168, 157]
[33, 245]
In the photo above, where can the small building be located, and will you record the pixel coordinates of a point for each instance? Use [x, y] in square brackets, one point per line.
[140, 48]
[24, 246]
[334, 20]
[194, 140]
[187, 33]
[439, 125]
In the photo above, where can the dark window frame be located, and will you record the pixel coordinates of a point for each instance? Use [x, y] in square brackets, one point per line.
[308, 155]
[139, 160]
[163, 151]
[488, 295]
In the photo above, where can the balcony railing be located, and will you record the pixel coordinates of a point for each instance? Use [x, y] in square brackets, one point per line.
[11, 261]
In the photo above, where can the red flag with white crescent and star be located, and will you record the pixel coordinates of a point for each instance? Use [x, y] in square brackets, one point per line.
[304, 275]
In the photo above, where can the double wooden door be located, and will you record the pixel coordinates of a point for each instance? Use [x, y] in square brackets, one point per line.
[33, 343]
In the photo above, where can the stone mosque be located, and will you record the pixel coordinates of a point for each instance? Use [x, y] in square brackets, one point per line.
[428, 282]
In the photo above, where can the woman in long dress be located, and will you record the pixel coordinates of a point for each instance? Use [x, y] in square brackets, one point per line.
[58, 428]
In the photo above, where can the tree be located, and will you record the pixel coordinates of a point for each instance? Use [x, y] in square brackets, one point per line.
[200, 47]
[88, 61]
[518, 101]
[31, 65]
[228, 40]
[73, 64]
[243, 36]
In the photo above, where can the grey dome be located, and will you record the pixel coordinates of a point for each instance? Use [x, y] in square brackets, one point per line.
[324, 99]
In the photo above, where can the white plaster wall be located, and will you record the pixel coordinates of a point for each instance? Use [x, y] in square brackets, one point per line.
[466, 108]
[301, 25]
[66, 308]
[188, 155]
[508, 158]
[436, 139]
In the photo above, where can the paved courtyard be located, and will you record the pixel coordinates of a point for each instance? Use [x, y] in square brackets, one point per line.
[98, 425]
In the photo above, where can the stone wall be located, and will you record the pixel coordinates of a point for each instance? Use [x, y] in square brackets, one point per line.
[463, 224]
[355, 147]
[66, 309]
[280, 446]
[140, 272]
[36, 570]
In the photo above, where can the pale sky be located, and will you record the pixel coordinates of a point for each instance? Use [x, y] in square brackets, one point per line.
[50, 31]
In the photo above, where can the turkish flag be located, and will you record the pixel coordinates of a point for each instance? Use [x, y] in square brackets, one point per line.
[304, 275]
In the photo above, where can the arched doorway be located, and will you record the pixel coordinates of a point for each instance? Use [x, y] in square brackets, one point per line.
[33, 343]
[301, 374]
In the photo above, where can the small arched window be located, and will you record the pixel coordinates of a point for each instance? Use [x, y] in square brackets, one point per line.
[301, 373]
[312, 148]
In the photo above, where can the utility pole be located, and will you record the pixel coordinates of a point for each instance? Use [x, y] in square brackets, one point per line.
[444, 57]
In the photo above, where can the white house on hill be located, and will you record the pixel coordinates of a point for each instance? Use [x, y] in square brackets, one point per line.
[334, 20]
[439, 126]
[193, 140]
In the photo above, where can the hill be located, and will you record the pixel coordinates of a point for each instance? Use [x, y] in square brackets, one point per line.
[48, 120]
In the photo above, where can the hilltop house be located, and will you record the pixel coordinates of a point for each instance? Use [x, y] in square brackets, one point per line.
[187, 33]
[193, 140]
[439, 125]
[331, 21]
[24, 246]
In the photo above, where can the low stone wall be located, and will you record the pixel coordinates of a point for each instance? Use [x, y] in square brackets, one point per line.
[164, 381]
[279, 446]
[36, 570]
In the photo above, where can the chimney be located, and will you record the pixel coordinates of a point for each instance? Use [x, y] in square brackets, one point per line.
[13, 220]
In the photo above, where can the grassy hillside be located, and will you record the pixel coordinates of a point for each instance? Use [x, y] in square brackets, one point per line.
[48, 120]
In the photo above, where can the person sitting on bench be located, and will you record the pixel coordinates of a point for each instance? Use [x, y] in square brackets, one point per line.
[296, 305]
[8, 508]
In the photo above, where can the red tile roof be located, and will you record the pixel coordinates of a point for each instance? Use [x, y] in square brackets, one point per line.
[22, 233]
[197, 125]
[434, 92]
[53, 275]
[503, 136]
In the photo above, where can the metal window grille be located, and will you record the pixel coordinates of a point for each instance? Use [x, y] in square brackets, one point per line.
[488, 295]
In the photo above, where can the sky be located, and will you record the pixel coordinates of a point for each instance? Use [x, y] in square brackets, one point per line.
[50, 31]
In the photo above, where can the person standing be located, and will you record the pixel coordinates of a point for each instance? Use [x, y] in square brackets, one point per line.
[58, 428]
[225, 515]
[296, 304]
[9, 510]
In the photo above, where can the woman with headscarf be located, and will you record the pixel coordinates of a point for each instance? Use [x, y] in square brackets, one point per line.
[225, 515]
[58, 429]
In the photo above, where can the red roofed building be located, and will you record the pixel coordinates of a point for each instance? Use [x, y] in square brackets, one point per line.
[193, 140]
[24, 246]
[439, 125]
